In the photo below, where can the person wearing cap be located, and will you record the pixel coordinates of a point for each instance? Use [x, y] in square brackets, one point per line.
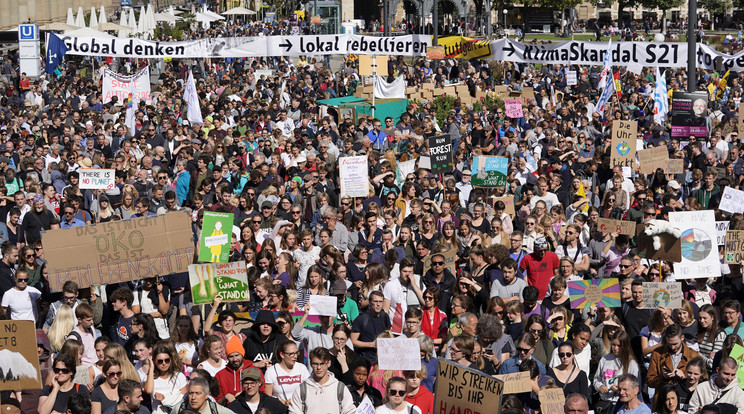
[464, 187]
[540, 266]
[251, 399]
[229, 377]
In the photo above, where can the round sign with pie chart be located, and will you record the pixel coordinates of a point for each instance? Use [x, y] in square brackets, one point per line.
[696, 244]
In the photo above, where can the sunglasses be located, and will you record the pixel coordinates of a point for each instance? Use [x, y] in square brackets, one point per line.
[61, 370]
[163, 361]
[114, 374]
[22, 279]
[399, 393]
[437, 263]
[565, 354]
[523, 350]
[622, 266]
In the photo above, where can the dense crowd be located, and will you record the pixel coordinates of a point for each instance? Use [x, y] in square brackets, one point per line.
[423, 256]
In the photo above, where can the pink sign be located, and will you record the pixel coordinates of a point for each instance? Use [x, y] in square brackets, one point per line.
[514, 108]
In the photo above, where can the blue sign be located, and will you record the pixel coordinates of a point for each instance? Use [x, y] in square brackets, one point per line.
[28, 32]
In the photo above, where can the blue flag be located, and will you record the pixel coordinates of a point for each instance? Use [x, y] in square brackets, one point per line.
[56, 49]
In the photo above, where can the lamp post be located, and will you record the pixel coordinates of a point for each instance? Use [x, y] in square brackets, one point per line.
[691, 45]
[505, 12]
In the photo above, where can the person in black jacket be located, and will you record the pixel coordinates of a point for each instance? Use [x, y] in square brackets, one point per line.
[440, 277]
[262, 340]
[251, 379]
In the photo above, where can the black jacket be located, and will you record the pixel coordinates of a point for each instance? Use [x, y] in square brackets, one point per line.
[240, 406]
[255, 348]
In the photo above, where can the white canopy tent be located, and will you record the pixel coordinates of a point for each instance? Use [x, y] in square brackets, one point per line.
[240, 11]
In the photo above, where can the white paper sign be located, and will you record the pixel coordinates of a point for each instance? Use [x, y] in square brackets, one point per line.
[215, 240]
[115, 84]
[721, 227]
[323, 305]
[96, 179]
[732, 200]
[571, 78]
[699, 244]
[399, 354]
[365, 407]
[354, 176]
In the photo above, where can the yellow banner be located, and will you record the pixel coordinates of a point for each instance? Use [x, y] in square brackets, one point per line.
[465, 47]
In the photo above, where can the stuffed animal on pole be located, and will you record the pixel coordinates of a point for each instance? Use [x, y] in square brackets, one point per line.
[656, 227]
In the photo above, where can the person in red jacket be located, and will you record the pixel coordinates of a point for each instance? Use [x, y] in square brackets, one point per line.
[416, 394]
[229, 377]
[540, 266]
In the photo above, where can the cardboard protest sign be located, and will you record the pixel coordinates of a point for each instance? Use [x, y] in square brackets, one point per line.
[440, 154]
[20, 367]
[652, 158]
[398, 353]
[674, 166]
[617, 226]
[734, 246]
[741, 118]
[119, 251]
[658, 294]
[489, 171]
[624, 143]
[354, 176]
[571, 78]
[516, 383]
[450, 257]
[96, 179]
[508, 203]
[732, 200]
[514, 108]
[721, 228]
[604, 293]
[738, 354]
[552, 401]
[465, 390]
[699, 251]
[671, 247]
[323, 305]
[229, 280]
[214, 243]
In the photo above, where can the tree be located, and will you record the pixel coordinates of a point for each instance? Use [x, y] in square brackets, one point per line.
[716, 6]
[561, 5]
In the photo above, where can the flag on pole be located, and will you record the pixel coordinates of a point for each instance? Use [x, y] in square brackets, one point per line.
[721, 88]
[606, 66]
[661, 98]
[609, 89]
[129, 121]
[194, 114]
[618, 85]
[56, 49]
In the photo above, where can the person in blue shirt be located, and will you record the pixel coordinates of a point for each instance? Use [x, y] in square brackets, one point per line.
[142, 208]
[69, 219]
[376, 135]
[525, 348]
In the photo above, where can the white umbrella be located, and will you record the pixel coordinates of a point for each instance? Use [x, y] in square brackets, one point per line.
[70, 17]
[239, 11]
[110, 26]
[102, 16]
[150, 21]
[213, 14]
[87, 32]
[123, 22]
[166, 17]
[132, 22]
[59, 26]
[141, 21]
[93, 18]
[80, 19]
[204, 18]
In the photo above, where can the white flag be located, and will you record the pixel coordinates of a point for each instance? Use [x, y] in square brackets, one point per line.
[661, 98]
[606, 66]
[129, 121]
[194, 114]
[605, 97]
[393, 90]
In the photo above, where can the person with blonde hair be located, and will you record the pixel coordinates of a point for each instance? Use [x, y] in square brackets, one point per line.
[117, 353]
[64, 323]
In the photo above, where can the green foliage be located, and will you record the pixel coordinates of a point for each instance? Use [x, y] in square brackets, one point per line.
[717, 6]
[661, 4]
[175, 32]
[489, 102]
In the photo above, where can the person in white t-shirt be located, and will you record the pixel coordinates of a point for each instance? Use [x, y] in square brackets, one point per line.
[396, 399]
[396, 295]
[142, 351]
[284, 378]
[20, 301]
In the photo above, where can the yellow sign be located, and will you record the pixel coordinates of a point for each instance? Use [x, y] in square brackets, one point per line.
[465, 47]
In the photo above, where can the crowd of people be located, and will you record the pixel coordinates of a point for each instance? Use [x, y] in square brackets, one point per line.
[475, 280]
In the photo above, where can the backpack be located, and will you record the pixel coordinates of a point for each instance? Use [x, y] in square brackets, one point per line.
[339, 394]
[185, 404]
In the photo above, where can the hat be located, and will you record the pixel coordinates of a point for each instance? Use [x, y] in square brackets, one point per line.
[209, 118]
[38, 198]
[674, 184]
[241, 144]
[541, 243]
[252, 373]
[86, 163]
[267, 204]
[298, 179]
[234, 345]
[185, 123]
[338, 287]
[301, 158]
[467, 172]
[196, 141]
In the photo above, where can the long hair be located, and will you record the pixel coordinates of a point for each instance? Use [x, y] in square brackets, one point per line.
[626, 353]
[149, 330]
[204, 351]
[709, 333]
[377, 274]
[291, 268]
[191, 336]
[117, 353]
[73, 348]
[175, 366]
[64, 323]
[660, 402]
[321, 285]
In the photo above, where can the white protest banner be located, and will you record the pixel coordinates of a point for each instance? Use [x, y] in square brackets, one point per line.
[732, 200]
[662, 294]
[217, 47]
[514, 108]
[571, 78]
[721, 227]
[323, 305]
[399, 354]
[354, 176]
[115, 84]
[699, 251]
[96, 179]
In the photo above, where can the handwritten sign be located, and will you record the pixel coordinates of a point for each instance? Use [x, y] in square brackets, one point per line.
[354, 176]
[552, 401]
[674, 166]
[323, 305]
[20, 367]
[228, 280]
[697, 243]
[440, 154]
[96, 179]
[508, 203]
[734, 246]
[465, 390]
[516, 383]
[571, 78]
[214, 243]
[398, 353]
[623, 143]
[658, 294]
[737, 352]
[732, 200]
[514, 108]
[119, 251]
[365, 407]
[450, 257]
[489, 171]
[721, 228]
[617, 226]
[604, 293]
[652, 158]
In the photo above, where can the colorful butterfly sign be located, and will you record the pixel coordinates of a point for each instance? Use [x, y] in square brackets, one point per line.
[605, 293]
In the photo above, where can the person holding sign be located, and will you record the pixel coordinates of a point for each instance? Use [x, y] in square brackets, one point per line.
[567, 374]
[396, 399]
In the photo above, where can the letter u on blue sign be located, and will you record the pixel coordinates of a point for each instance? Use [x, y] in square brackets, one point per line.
[27, 32]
